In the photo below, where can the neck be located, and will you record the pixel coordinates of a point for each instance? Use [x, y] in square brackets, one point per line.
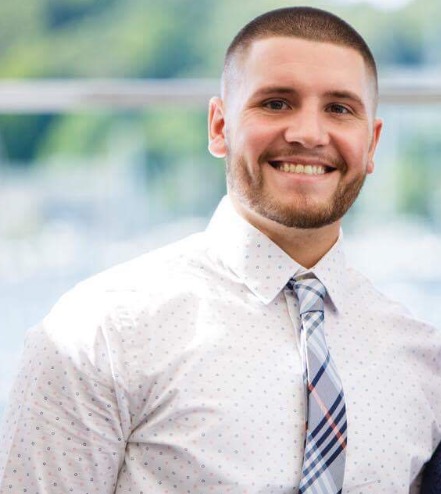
[305, 246]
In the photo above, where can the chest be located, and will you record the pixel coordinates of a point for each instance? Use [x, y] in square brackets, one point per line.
[221, 385]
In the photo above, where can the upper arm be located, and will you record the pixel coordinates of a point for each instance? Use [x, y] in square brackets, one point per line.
[64, 430]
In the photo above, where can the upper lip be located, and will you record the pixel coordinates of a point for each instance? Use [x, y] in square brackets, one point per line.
[302, 161]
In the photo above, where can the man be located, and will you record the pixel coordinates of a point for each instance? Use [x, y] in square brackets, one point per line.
[248, 358]
[432, 474]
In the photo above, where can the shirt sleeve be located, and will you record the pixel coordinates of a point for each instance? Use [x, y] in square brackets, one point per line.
[66, 426]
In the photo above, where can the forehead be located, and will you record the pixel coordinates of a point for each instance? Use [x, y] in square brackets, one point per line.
[289, 60]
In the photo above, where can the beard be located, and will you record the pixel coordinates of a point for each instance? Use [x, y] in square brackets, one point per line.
[303, 212]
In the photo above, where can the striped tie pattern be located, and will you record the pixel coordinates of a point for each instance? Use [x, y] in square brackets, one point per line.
[326, 426]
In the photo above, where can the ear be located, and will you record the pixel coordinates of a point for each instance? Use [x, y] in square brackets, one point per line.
[378, 126]
[216, 128]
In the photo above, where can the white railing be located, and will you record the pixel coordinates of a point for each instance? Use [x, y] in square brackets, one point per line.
[49, 95]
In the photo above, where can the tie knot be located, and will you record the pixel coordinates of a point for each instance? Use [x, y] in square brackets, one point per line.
[310, 292]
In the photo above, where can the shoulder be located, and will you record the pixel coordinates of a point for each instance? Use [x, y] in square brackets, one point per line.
[359, 286]
[118, 295]
[383, 308]
[147, 271]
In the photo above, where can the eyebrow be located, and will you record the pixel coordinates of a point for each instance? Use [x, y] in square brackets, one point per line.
[274, 89]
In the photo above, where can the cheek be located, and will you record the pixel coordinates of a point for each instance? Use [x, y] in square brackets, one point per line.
[243, 142]
[254, 140]
[354, 149]
[251, 137]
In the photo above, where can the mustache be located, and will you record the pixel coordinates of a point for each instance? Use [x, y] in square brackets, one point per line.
[293, 152]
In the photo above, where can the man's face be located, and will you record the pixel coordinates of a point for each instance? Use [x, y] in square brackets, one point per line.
[296, 126]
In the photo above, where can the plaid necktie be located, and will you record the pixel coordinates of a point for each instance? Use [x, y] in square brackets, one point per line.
[326, 426]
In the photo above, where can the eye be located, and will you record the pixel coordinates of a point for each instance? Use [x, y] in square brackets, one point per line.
[340, 109]
[275, 104]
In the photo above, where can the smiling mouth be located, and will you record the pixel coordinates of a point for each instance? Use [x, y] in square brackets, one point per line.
[301, 169]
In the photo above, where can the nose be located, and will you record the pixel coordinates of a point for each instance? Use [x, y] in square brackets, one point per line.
[307, 126]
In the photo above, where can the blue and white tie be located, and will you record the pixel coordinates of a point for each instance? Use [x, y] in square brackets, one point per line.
[326, 426]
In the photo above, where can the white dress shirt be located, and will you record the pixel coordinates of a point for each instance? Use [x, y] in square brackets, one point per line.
[180, 372]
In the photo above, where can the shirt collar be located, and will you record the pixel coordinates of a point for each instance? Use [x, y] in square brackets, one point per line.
[261, 264]
[331, 271]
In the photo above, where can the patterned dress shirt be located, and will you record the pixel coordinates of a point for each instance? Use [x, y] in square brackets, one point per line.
[180, 372]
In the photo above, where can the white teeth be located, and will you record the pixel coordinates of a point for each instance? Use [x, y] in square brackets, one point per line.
[302, 169]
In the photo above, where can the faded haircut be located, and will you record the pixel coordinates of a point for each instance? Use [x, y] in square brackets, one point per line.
[300, 22]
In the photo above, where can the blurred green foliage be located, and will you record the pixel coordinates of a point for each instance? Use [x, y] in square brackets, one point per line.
[419, 170]
[171, 38]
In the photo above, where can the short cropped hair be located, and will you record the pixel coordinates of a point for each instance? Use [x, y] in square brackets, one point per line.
[301, 22]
